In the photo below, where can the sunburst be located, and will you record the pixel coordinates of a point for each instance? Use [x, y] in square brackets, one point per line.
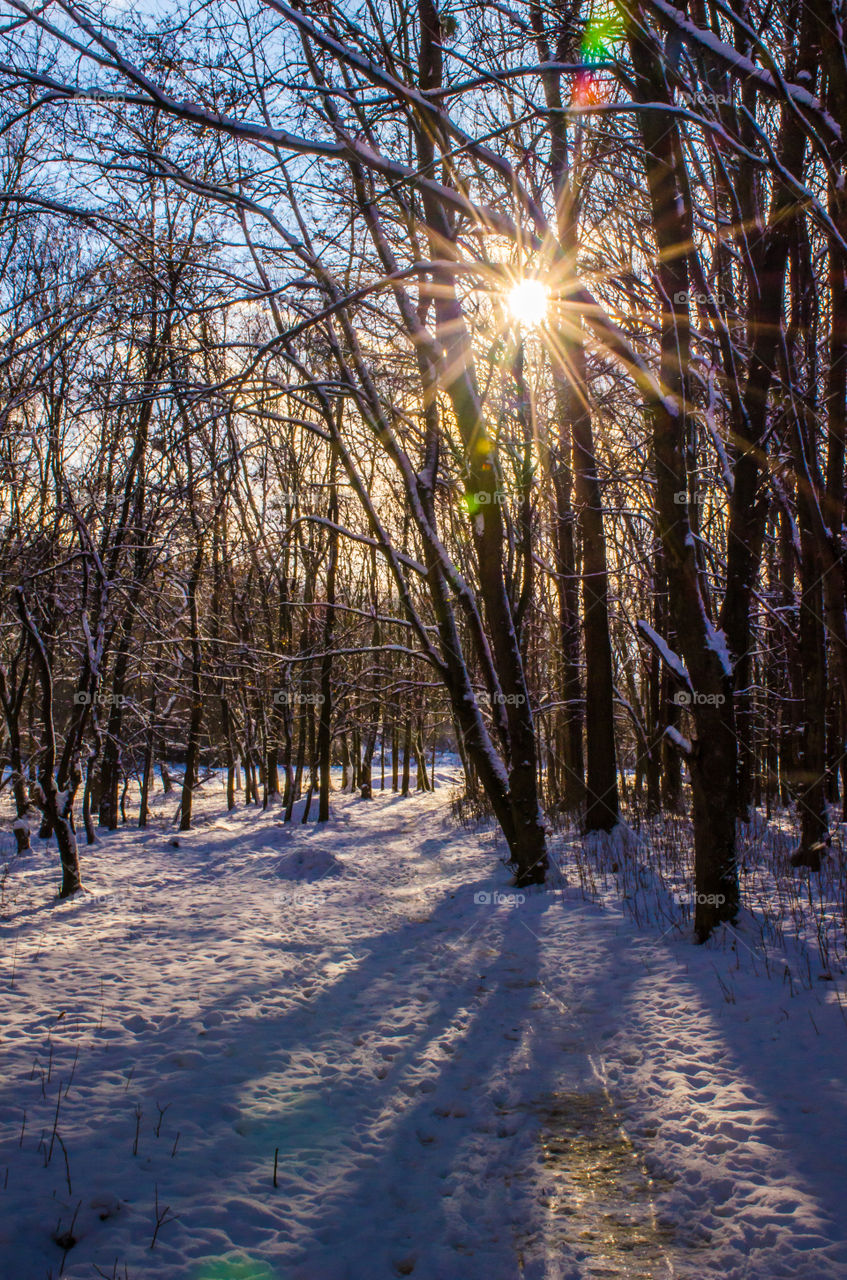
[528, 302]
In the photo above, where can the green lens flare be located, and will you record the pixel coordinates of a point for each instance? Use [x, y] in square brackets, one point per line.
[235, 1269]
[601, 35]
[598, 41]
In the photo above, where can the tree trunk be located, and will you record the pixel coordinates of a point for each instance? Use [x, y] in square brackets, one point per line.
[407, 752]
[324, 743]
[196, 715]
[713, 758]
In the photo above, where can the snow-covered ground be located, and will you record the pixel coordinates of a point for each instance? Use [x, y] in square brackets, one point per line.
[452, 1085]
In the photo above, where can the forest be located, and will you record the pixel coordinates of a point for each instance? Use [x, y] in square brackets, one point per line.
[422, 461]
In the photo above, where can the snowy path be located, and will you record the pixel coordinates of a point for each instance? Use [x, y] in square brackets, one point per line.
[455, 1089]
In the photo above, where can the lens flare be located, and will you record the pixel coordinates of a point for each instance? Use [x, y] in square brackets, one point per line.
[597, 45]
[587, 90]
[528, 302]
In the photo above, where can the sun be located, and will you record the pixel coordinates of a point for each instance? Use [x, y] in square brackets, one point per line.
[528, 301]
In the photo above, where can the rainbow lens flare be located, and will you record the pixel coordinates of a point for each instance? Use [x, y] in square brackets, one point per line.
[597, 45]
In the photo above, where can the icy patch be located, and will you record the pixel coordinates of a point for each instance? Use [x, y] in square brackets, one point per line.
[598, 1194]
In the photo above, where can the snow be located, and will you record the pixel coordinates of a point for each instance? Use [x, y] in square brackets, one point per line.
[726, 55]
[454, 1083]
[671, 660]
[678, 739]
[308, 864]
[716, 639]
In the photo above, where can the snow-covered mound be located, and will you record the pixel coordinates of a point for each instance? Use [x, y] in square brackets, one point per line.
[308, 864]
